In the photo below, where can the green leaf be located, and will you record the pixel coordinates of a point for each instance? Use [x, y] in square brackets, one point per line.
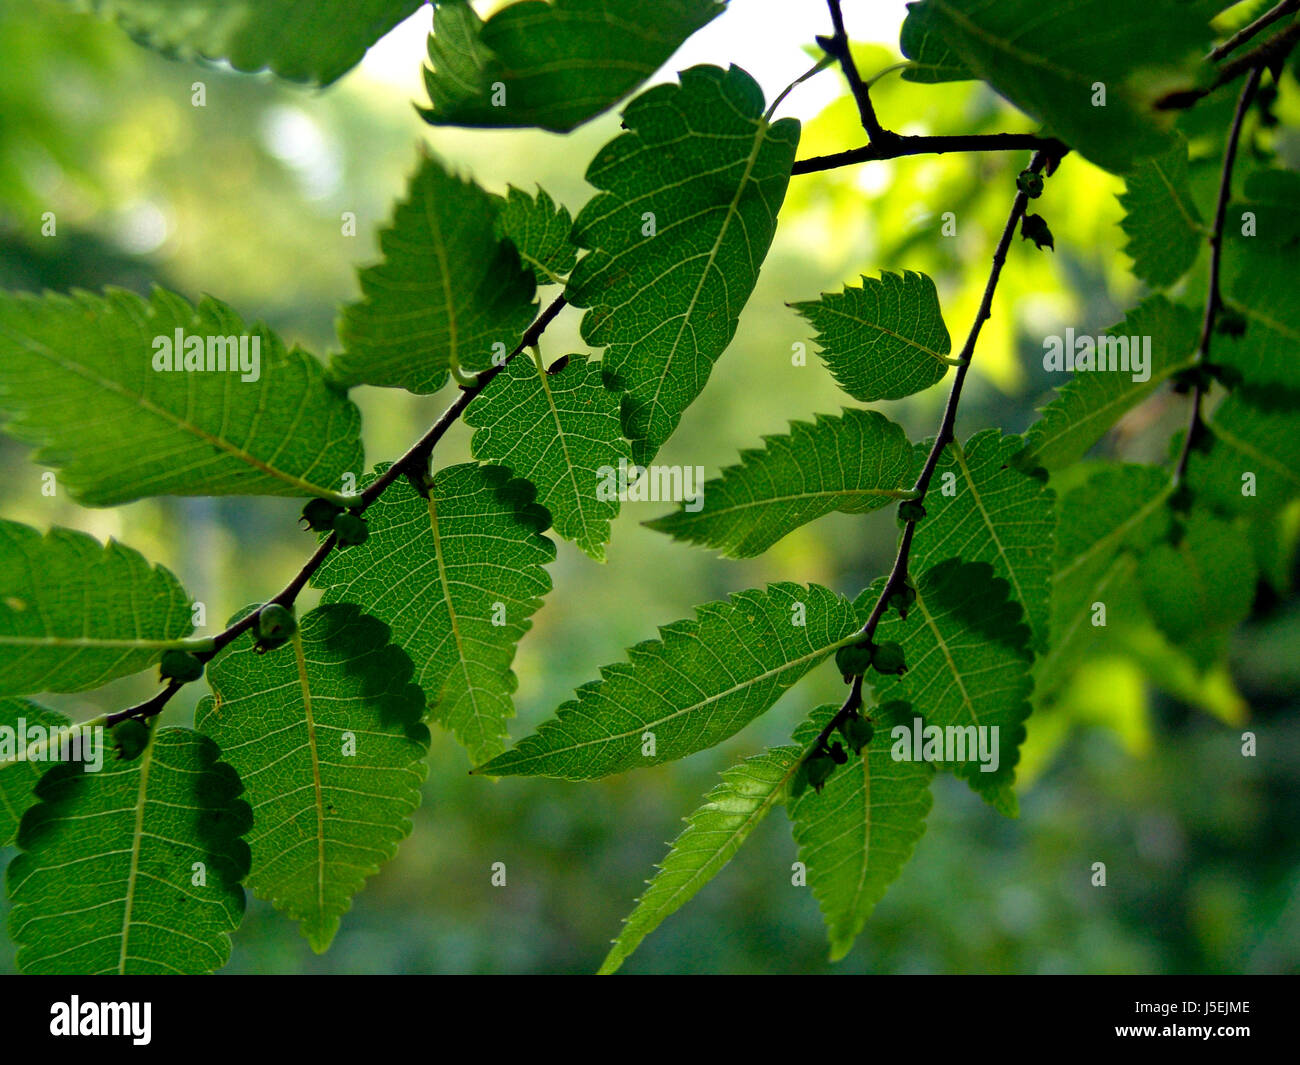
[703, 680]
[932, 59]
[29, 725]
[858, 832]
[1091, 402]
[134, 868]
[78, 381]
[326, 735]
[854, 463]
[988, 511]
[456, 578]
[1270, 195]
[75, 613]
[1249, 469]
[1163, 225]
[1049, 60]
[885, 340]
[701, 164]
[449, 293]
[1202, 587]
[968, 659]
[539, 229]
[301, 40]
[1116, 511]
[1262, 288]
[714, 833]
[553, 65]
[561, 432]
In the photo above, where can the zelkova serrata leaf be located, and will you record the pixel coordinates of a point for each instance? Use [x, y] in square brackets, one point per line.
[75, 614]
[326, 735]
[703, 680]
[885, 339]
[456, 577]
[129, 398]
[134, 868]
[554, 65]
[684, 215]
[449, 294]
[854, 463]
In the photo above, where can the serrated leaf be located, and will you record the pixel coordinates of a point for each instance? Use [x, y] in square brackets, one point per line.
[713, 834]
[1270, 195]
[1092, 401]
[703, 680]
[456, 578]
[1249, 469]
[29, 725]
[932, 59]
[553, 65]
[858, 832]
[301, 40]
[75, 613]
[988, 511]
[1262, 288]
[854, 463]
[1164, 227]
[134, 868]
[326, 735]
[448, 293]
[561, 432]
[77, 381]
[968, 664]
[702, 168]
[1202, 587]
[539, 229]
[1049, 60]
[1117, 510]
[884, 340]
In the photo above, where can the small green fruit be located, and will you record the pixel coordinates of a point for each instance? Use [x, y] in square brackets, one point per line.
[275, 624]
[1030, 182]
[319, 514]
[819, 769]
[852, 661]
[350, 529]
[857, 731]
[888, 657]
[910, 510]
[180, 665]
[130, 738]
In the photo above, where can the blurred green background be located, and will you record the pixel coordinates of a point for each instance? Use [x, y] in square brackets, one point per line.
[1138, 766]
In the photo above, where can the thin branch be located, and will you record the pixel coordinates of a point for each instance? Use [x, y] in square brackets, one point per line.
[1213, 296]
[1286, 7]
[938, 145]
[898, 572]
[1269, 54]
[414, 464]
[837, 45]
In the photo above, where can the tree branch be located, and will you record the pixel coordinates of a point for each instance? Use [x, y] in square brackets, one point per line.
[1270, 53]
[1286, 7]
[837, 45]
[898, 572]
[937, 145]
[1213, 297]
[414, 464]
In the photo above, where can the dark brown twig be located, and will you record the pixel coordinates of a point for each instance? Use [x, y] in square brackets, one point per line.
[1213, 296]
[937, 145]
[898, 572]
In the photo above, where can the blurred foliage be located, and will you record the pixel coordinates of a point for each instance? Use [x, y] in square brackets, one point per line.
[1139, 766]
